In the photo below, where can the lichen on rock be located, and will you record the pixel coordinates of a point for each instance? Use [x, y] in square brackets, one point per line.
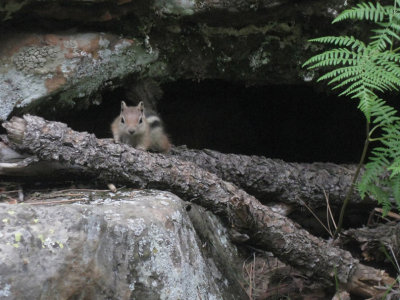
[124, 245]
[32, 59]
[75, 66]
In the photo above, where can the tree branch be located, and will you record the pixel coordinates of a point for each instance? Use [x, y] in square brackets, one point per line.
[265, 228]
[275, 180]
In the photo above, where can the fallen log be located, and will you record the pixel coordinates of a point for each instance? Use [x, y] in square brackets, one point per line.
[54, 141]
[269, 180]
[15, 164]
[372, 239]
[275, 180]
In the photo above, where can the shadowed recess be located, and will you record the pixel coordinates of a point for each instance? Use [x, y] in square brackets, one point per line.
[293, 123]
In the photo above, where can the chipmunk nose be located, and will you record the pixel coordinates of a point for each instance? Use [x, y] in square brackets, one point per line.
[131, 131]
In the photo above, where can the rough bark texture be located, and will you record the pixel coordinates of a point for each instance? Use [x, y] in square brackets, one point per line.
[372, 239]
[265, 228]
[15, 164]
[275, 180]
[269, 180]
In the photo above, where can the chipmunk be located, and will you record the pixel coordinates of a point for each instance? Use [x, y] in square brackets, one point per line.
[139, 129]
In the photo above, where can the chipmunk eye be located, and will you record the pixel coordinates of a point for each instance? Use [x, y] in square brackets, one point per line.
[122, 120]
[140, 121]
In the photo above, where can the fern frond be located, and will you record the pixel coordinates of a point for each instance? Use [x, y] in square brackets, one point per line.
[383, 114]
[333, 62]
[376, 74]
[352, 88]
[390, 67]
[382, 197]
[372, 172]
[348, 76]
[395, 26]
[341, 73]
[380, 41]
[382, 174]
[385, 34]
[391, 56]
[367, 101]
[348, 41]
[379, 84]
[393, 34]
[394, 168]
[395, 184]
[386, 117]
[333, 57]
[356, 79]
[361, 70]
[375, 84]
[363, 11]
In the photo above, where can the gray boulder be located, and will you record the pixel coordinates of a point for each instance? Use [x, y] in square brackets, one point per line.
[127, 245]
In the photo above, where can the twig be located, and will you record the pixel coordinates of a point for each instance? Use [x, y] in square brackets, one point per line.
[55, 195]
[316, 217]
[82, 190]
[254, 271]
[20, 194]
[9, 198]
[198, 293]
[56, 202]
[249, 272]
[329, 211]
[389, 214]
[9, 192]
[394, 258]
[353, 183]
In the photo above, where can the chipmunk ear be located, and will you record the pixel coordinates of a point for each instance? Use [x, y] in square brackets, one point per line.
[141, 106]
[123, 105]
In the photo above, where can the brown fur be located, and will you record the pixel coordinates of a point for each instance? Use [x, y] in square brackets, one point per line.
[138, 134]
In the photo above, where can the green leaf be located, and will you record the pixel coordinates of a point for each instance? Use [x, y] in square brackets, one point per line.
[361, 70]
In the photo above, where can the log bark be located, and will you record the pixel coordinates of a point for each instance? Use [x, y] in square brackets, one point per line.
[275, 180]
[269, 180]
[15, 164]
[371, 240]
[54, 141]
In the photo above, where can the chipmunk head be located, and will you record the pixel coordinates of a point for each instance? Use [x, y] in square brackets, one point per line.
[132, 119]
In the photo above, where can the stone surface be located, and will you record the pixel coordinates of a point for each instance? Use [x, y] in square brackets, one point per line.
[34, 66]
[49, 50]
[129, 245]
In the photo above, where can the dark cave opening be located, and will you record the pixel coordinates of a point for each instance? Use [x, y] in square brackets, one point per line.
[293, 123]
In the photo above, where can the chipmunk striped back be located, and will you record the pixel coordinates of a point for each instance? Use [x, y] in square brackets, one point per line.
[141, 130]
